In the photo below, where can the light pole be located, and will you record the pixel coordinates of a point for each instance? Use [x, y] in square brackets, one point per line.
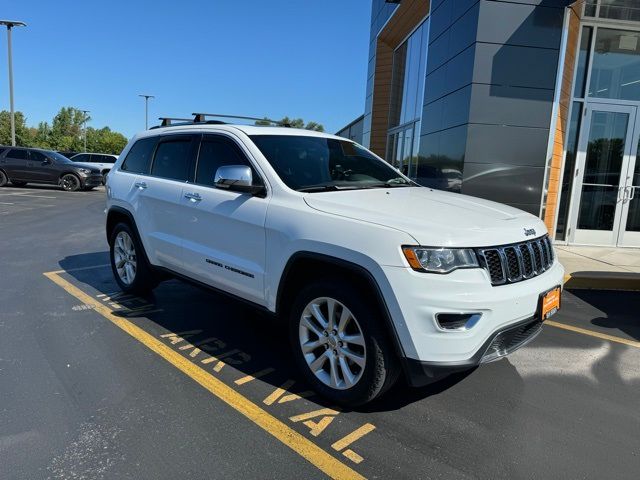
[10, 24]
[84, 119]
[146, 109]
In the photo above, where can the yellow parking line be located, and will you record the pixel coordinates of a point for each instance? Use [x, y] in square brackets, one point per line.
[591, 333]
[78, 269]
[292, 439]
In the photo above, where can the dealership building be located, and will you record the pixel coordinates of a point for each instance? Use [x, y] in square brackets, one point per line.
[531, 103]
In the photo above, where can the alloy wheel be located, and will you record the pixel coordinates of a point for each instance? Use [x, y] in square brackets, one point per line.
[70, 183]
[124, 258]
[332, 343]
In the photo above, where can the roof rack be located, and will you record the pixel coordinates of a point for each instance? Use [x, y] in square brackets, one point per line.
[202, 117]
[171, 122]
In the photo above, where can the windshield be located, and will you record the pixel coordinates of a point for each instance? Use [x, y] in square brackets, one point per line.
[322, 164]
[58, 157]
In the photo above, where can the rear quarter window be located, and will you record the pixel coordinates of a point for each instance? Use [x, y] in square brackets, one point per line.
[139, 157]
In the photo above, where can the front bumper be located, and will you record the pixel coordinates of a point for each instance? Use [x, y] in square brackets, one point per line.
[93, 180]
[428, 348]
[500, 344]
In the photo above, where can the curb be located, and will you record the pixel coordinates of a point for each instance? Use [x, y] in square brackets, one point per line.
[602, 281]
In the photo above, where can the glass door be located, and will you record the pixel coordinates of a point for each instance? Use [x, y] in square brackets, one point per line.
[630, 233]
[601, 197]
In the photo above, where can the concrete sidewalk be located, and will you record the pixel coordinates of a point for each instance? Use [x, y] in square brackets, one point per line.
[600, 267]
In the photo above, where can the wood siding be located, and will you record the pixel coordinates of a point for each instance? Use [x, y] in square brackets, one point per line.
[562, 123]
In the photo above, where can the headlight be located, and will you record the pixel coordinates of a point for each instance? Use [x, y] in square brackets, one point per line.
[86, 171]
[440, 260]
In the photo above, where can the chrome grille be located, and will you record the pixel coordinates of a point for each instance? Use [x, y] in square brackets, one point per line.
[514, 263]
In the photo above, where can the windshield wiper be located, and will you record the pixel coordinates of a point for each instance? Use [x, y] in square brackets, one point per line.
[389, 184]
[324, 188]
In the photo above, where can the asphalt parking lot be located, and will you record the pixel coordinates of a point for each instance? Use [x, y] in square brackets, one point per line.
[189, 384]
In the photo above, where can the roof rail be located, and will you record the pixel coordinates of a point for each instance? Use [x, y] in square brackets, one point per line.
[239, 117]
[169, 122]
[201, 118]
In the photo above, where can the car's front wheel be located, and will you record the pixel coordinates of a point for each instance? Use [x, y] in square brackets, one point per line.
[128, 263]
[70, 183]
[340, 345]
[3, 179]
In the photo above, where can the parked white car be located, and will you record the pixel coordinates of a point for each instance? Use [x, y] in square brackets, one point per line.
[374, 274]
[103, 161]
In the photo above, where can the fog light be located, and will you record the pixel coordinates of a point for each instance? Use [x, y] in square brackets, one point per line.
[457, 321]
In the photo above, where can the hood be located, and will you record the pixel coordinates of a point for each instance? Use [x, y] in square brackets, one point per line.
[432, 217]
[88, 166]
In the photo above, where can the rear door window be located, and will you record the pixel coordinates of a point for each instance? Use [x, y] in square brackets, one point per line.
[18, 154]
[138, 159]
[82, 157]
[173, 158]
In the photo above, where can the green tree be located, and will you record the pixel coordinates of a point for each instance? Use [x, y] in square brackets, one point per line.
[105, 140]
[23, 134]
[67, 129]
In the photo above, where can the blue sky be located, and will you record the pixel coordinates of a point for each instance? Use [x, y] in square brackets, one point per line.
[300, 58]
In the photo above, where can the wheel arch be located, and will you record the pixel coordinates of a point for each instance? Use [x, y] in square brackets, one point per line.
[117, 215]
[299, 268]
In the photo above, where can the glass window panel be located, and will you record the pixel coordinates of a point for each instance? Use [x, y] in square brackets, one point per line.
[583, 61]
[616, 65]
[605, 151]
[408, 150]
[590, 8]
[620, 9]
[411, 78]
[597, 207]
[422, 70]
[569, 167]
[397, 84]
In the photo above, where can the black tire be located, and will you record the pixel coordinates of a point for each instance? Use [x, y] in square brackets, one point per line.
[70, 182]
[3, 179]
[144, 280]
[381, 368]
[88, 189]
[16, 183]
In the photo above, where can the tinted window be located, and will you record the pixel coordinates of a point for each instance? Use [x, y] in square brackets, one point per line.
[216, 152]
[19, 154]
[139, 157]
[2, 150]
[37, 156]
[304, 162]
[105, 159]
[83, 157]
[172, 159]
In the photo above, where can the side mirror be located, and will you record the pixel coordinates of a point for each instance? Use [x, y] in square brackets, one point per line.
[237, 178]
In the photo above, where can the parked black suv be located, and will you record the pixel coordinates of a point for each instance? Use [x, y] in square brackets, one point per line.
[32, 165]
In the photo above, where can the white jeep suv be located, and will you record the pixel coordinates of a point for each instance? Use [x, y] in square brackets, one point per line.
[374, 274]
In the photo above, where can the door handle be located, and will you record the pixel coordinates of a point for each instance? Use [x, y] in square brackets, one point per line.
[194, 197]
[140, 185]
[632, 195]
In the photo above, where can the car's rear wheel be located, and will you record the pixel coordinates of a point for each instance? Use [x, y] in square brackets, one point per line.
[70, 182]
[128, 262]
[339, 343]
[3, 179]
[16, 183]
